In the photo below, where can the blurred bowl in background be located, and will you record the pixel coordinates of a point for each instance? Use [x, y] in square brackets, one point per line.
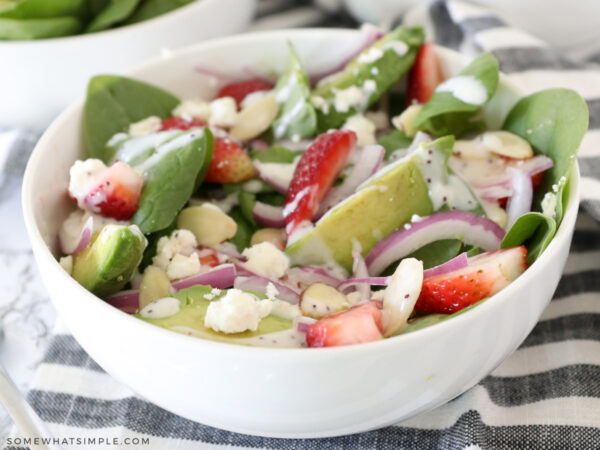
[39, 78]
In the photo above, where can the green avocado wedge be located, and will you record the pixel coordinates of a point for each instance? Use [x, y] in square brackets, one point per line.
[378, 208]
[190, 318]
[381, 64]
[113, 103]
[107, 265]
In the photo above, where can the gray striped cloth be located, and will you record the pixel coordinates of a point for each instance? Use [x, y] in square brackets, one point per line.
[546, 395]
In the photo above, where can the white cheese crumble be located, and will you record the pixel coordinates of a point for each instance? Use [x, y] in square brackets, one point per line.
[267, 260]
[348, 98]
[320, 103]
[66, 262]
[465, 88]
[183, 266]
[193, 109]
[363, 127]
[180, 242]
[549, 205]
[82, 174]
[212, 294]
[223, 112]
[236, 311]
[147, 126]
[161, 308]
[370, 56]
[399, 47]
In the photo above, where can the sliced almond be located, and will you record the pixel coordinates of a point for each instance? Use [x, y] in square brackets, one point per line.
[155, 285]
[320, 300]
[507, 144]
[500, 143]
[406, 121]
[255, 118]
[210, 225]
[275, 236]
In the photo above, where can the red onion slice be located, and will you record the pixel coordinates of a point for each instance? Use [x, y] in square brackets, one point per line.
[221, 277]
[126, 301]
[456, 263]
[307, 275]
[259, 284]
[520, 202]
[369, 281]
[77, 245]
[471, 228]
[301, 323]
[268, 215]
[368, 161]
[259, 145]
[531, 166]
[229, 250]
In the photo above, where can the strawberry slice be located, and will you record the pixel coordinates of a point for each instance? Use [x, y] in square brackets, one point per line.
[424, 76]
[316, 172]
[229, 164]
[361, 323]
[241, 89]
[115, 192]
[179, 123]
[485, 275]
[208, 256]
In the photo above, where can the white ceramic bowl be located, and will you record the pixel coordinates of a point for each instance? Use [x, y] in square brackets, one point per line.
[40, 78]
[289, 393]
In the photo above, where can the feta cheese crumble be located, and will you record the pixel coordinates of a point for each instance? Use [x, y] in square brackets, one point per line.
[363, 127]
[236, 311]
[82, 174]
[267, 260]
[223, 112]
[149, 125]
[183, 266]
[180, 242]
[370, 56]
[192, 109]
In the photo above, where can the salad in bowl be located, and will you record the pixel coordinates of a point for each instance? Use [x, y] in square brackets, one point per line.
[301, 209]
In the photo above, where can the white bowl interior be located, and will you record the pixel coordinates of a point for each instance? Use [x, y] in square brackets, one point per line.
[359, 386]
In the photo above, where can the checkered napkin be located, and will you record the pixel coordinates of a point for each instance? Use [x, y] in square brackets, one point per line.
[546, 395]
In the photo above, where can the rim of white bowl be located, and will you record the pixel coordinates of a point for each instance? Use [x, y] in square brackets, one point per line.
[429, 333]
[172, 16]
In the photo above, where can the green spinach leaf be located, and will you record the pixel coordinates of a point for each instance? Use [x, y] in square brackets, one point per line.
[113, 103]
[42, 9]
[275, 154]
[445, 114]
[534, 230]
[372, 72]
[296, 116]
[554, 122]
[153, 8]
[25, 29]
[170, 182]
[393, 141]
[116, 11]
[432, 254]
[244, 232]
[247, 202]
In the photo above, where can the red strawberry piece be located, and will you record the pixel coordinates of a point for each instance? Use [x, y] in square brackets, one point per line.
[361, 323]
[179, 123]
[424, 76]
[208, 256]
[316, 172]
[241, 89]
[229, 164]
[115, 192]
[485, 275]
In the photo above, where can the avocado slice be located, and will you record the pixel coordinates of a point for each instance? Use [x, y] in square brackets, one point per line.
[107, 265]
[190, 318]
